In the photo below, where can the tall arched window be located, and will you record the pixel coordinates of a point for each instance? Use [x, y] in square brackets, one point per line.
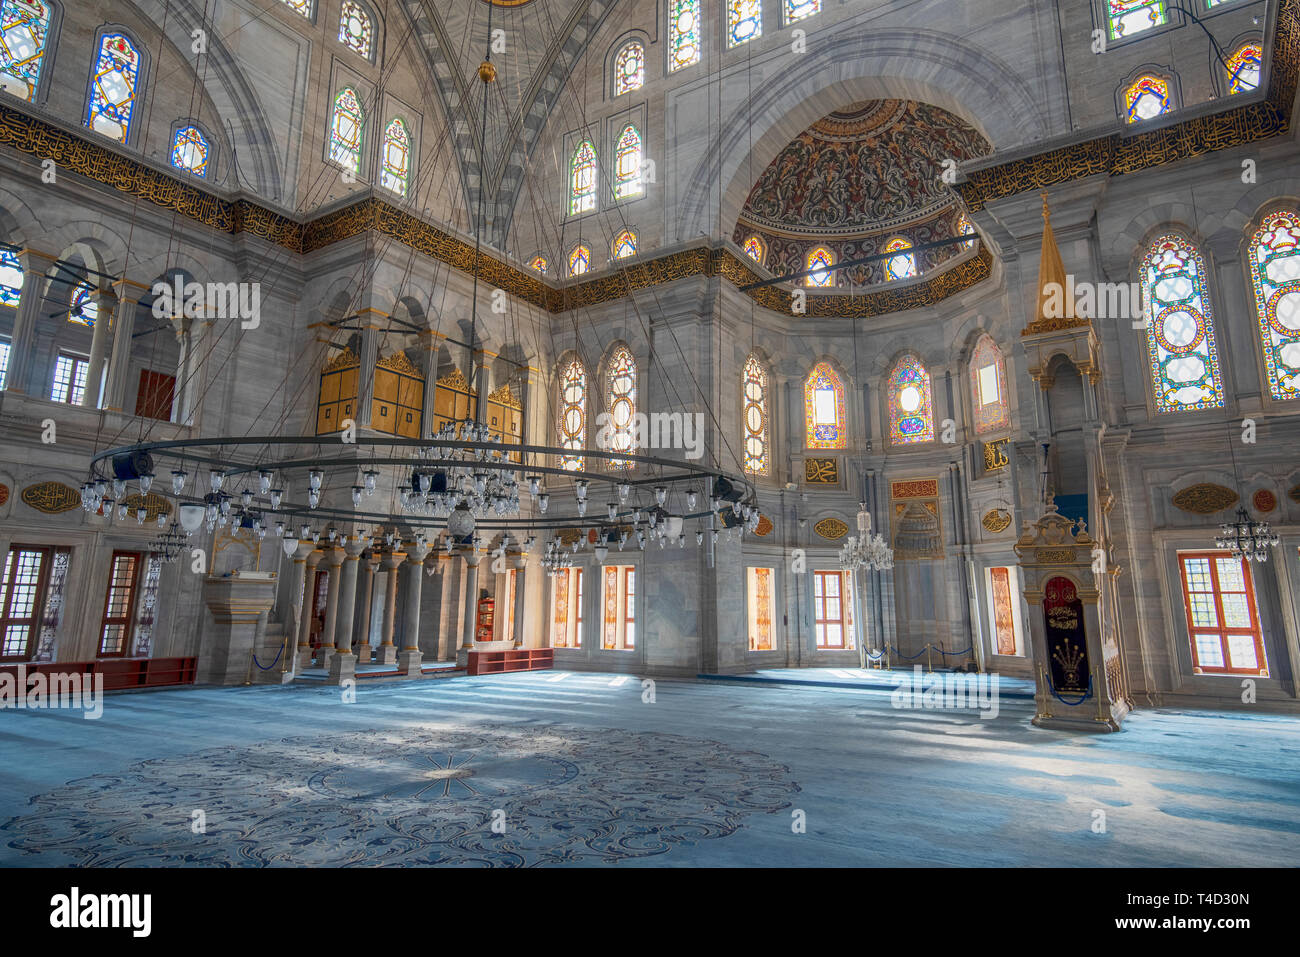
[801, 9]
[988, 383]
[579, 260]
[621, 398]
[825, 426]
[1274, 258]
[627, 164]
[1146, 97]
[582, 179]
[964, 227]
[754, 414]
[190, 151]
[396, 174]
[624, 244]
[572, 423]
[819, 265]
[911, 403]
[1180, 333]
[24, 29]
[347, 127]
[356, 29]
[1130, 17]
[11, 278]
[305, 7]
[683, 33]
[1244, 68]
[744, 21]
[629, 68]
[902, 265]
[113, 87]
[84, 306]
[754, 249]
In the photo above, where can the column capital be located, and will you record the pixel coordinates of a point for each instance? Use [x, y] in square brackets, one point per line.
[391, 560]
[354, 547]
[416, 554]
[304, 549]
[128, 290]
[35, 260]
[334, 555]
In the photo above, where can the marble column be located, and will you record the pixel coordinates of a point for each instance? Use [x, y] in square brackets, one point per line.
[387, 653]
[470, 619]
[304, 620]
[297, 594]
[23, 343]
[366, 591]
[343, 662]
[119, 364]
[410, 658]
[108, 306]
[334, 557]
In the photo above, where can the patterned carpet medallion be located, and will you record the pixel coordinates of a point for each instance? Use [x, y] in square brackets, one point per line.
[424, 795]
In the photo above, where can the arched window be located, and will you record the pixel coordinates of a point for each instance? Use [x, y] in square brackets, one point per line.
[1146, 97]
[113, 87]
[744, 21]
[1130, 17]
[539, 264]
[621, 398]
[396, 174]
[801, 9]
[573, 413]
[1180, 333]
[579, 260]
[84, 306]
[823, 408]
[305, 7]
[190, 151]
[582, 179]
[627, 164]
[911, 404]
[24, 29]
[902, 265]
[1274, 258]
[683, 33]
[754, 414]
[11, 278]
[624, 244]
[629, 68]
[988, 382]
[965, 227]
[754, 249]
[356, 29]
[1244, 68]
[819, 265]
[346, 130]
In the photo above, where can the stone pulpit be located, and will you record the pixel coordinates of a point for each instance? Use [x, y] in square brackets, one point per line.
[1076, 671]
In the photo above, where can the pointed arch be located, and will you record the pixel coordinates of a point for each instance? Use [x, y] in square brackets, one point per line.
[901, 265]
[1244, 67]
[624, 244]
[347, 130]
[627, 164]
[582, 179]
[539, 264]
[818, 266]
[115, 82]
[1274, 261]
[754, 415]
[911, 402]
[571, 422]
[966, 227]
[357, 29]
[1147, 97]
[988, 382]
[25, 28]
[396, 173]
[629, 68]
[191, 151]
[620, 401]
[1184, 360]
[825, 423]
[579, 260]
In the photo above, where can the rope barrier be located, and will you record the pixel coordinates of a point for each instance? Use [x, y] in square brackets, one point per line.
[1072, 704]
[272, 664]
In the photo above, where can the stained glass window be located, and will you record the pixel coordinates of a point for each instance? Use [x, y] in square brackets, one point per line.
[24, 28]
[911, 408]
[346, 129]
[356, 29]
[964, 226]
[1130, 17]
[1244, 68]
[190, 151]
[84, 309]
[683, 33]
[744, 21]
[823, 402]
[819, 265]
[627, 164]
[573, 413]
[903, 264]
[300, 6]
[754, 413]
[579, 260]
[1146, 97]
[621, 384]
[629, 69]
[396, 174]
[988, 380]
[624, 244]
[1180, 331]
[800, 9]
[1274, 258]
[754, 249]
[11, 278]
[112, 88]
[539, 264]
[582, 179]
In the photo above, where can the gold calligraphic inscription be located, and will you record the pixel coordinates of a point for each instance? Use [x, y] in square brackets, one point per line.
[831, 529]
[921, 488]
[1055, 556]
[821, 471]
[995, 455]
[764, 526]
[1205, 498]
[51, 497]
[153, 505]
[996, 520]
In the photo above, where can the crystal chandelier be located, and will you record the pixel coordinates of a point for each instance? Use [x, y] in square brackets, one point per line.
[866, 550]
[1246, 538]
